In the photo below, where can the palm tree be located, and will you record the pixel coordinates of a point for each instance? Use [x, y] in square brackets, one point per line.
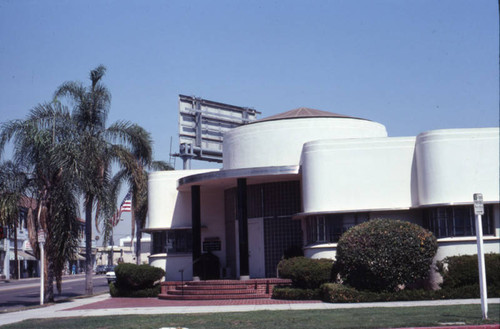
[12, 183]
[137, 178]
[41, 147]
[99, 148]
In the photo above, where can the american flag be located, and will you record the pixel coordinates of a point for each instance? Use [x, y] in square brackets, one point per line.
[126, 206]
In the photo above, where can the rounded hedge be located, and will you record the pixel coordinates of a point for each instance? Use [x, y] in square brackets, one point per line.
[460, 271]
[137, 277]
[289, 293]
[383, 254]
[154, 291]
[306, 273]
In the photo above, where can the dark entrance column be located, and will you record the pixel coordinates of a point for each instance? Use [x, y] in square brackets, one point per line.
[196, 227]
[242, 217]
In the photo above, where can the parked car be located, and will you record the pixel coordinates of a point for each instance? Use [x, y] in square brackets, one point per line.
[110, 274]
[101, 269]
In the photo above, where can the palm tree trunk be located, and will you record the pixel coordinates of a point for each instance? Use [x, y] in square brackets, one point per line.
[138, 248]
[16, 258]
[89, 287]
[49, 279]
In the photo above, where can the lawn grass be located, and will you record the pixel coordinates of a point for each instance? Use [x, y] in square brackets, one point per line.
[339, 318]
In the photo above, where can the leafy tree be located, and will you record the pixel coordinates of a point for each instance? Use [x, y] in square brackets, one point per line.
[100, 146]
[383, 254]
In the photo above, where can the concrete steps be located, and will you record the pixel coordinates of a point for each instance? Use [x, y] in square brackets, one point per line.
[220, 289]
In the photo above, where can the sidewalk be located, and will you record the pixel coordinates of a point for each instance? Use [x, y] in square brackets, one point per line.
[104, 305]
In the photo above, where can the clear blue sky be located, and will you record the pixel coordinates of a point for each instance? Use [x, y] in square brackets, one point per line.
[411, 65]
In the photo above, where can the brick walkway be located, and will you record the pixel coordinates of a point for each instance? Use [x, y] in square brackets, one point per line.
[479, 326]
[155, 302]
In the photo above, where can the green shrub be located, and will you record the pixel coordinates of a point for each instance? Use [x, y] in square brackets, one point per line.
[154, 291]
[306, 273]
[338, 293]
[137, 277]
[289, 293]
[136, 281]
[470, 291]
[383, 254]
[460, 271]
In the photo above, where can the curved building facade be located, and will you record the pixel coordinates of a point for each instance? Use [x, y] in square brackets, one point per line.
[278, 140]
[293, 183]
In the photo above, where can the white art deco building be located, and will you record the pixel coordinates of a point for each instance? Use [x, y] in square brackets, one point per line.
[294, 182]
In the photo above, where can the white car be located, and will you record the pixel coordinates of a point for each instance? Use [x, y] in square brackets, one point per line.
[110, 276]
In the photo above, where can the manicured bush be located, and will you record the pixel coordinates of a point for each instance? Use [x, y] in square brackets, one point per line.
[384, 254]
[306, 273]
[141, 293]
[290, 293]
[460, 271]
[137, 277]
[338, 293]
[136, 281]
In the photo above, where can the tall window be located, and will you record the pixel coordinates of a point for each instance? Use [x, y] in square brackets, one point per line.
[329, 228]
[172, 242]
[457, 221]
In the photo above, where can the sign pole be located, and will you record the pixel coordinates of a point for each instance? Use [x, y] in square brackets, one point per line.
[479, 211]
[42, 272]
[41, 240]
[6, 262]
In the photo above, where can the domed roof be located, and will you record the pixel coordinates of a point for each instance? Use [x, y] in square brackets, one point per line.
[304, 112]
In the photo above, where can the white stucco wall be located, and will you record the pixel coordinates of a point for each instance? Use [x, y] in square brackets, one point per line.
[453, 164]
[169, 208]
[358, 174]
[279, 143]
[172, 264]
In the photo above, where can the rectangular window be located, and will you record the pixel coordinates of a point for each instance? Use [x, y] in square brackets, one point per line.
[179, 241]
[172, 242]
[329, 228]
[321, 229]
[455, 221]
[158, 245]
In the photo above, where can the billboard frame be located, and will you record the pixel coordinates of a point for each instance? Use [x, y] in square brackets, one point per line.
[202, 124]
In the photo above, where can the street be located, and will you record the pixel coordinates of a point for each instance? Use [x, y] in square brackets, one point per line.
[17, 294]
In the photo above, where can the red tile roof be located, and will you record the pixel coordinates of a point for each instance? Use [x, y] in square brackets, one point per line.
[304, 112]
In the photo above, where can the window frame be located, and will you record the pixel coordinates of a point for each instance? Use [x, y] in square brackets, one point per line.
[457, 221]
[181, 241]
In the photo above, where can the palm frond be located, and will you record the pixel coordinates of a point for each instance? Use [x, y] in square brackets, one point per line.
[160, 165]
[73, 90]
[135, 137]
[97, 74]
